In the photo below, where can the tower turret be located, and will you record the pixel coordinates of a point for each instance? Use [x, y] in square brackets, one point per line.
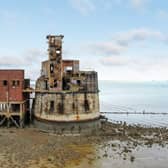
[55, 61]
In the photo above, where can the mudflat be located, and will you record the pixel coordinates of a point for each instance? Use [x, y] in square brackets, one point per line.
[115, 145]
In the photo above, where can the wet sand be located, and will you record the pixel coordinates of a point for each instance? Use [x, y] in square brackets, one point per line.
[116, 145]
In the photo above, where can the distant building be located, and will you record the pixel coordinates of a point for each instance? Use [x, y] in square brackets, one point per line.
[66, 99]
[14, 104]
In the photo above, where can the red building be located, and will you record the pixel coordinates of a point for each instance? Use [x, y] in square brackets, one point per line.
[13, 102]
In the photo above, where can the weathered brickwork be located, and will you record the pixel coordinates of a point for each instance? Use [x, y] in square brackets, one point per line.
[11, 85]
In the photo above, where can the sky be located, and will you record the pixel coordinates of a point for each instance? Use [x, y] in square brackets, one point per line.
[120, 39]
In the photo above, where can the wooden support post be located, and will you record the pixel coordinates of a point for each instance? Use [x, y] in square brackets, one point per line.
[3, 120]
[8, 122]
[8, 115]
[15, 122]
[21, 120]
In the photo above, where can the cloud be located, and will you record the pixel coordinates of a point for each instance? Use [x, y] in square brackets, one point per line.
[106, 48]
[143, 63]
[139, 3]
[83, 6]
[114, 61]
[33, 73]
[123, 61]
[136, 35]
[88, 6]
[150, 67]
[28, 57]
[34, 55]
[122, 41]
[30, 60]
[143, 67]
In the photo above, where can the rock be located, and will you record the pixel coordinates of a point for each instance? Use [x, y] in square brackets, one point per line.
[132, 158]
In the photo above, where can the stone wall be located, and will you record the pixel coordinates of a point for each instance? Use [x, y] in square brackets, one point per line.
[83, 127]
[66, 106]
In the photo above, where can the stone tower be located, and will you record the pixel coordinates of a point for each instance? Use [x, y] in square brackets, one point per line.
[55, 61]
[66, 99]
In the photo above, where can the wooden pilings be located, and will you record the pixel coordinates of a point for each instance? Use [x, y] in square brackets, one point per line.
[12, 113]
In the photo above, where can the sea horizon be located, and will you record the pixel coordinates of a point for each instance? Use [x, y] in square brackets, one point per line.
[134, 97]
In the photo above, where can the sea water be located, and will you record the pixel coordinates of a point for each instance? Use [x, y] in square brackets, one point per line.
[135, 97]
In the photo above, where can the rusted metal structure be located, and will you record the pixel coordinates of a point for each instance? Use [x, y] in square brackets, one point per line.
[14, 104]
[66, 99]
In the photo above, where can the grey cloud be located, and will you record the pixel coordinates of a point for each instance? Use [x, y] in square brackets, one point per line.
[10, 61]
[114, 61]
[33, 73]
[137, 35]
[29, 57]
[145, 63]
[122, 61]
[122, 41]
[106, 48]
[34, 55]
[29, 60]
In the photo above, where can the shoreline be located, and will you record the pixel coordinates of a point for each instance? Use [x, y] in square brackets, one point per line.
[112, 145]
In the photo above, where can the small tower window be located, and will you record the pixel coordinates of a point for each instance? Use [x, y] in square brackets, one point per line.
[60, 108]
[86, 105]
[51, 68]
[78, 82]
[58, 51]
[51, 106]
[55, 83]
[46, 85]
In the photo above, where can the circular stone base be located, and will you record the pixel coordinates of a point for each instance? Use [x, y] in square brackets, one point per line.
[76, 127]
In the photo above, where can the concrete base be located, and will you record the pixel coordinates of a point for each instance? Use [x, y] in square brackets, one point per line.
[81, 127]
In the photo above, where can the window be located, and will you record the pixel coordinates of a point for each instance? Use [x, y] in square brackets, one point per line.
[46, 85]
[55, 83]
[51, 106]
[60, 108]
[15, 83]
[78, 82]
[73, 106]
[15, 107]
[51, 68]
[68, 68]
[5, 83]
[86, 105]
[58, 51]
